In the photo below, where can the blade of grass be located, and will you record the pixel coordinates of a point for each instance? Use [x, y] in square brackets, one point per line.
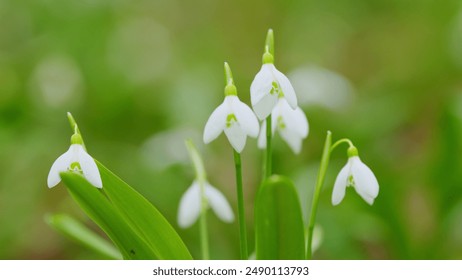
[79, 233]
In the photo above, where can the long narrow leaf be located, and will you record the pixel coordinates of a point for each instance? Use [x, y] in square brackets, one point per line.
[278, 221]
[103, 213]
[79, 233]
[147, 221]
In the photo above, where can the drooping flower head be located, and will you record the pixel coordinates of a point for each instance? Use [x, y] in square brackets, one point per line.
[190, 205]
[269, 84]
[291, 124]
[355, 174]
[201, 195]
[76, 159]
[233, 117]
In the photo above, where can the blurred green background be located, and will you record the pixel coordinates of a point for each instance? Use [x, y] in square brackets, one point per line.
[141, 76]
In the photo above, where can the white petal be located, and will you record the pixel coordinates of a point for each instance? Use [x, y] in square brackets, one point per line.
[236, 137]
[366, 184]
[61, 164]
[245, 117]
[340, 185]
[89, 168]
[261, 84]
[219, 204]
[216, 123]
[264, 107]
[301, 122]
[294, 120]
[262, 136]
[292, 139]
[275, 114]
[287, 89]
[190, 206]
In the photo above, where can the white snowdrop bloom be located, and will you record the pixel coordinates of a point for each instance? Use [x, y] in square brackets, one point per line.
[291, 124]
[78, 160]
[356, 174]
[268, 85]
[236, 119]
[190, 205]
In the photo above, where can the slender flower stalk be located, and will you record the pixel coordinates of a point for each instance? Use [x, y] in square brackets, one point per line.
[355, 173]
[240, 203]
[268, 86]
[268, 156]
[237, 121]
[203, 225]
[238, 166]
[201, 178]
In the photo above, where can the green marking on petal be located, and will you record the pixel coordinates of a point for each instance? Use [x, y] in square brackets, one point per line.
[75, 166]
[230, 119]
[351, 181]
[275, 89]
[280, 122]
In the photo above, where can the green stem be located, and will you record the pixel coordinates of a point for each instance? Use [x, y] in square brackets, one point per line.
[269, 135]
[240, 203]
[317, 190]
[344, 140]
[203, 223]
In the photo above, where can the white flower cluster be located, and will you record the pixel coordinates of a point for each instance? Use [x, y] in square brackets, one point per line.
[271, 93]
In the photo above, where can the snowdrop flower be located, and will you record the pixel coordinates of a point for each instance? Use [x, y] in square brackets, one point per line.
[78, 160]
[190, 205]
[233, 117]
[269, 84]
[356, 174]
[291, 124]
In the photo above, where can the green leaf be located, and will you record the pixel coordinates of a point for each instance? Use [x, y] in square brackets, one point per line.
[144, 218]
[279, 226]
[78, 232]
[105, 215]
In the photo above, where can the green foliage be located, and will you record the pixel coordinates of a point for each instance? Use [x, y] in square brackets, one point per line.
[136, 71]
[145, 219]
[77, 231]
[104, 214]
[134, 225]
[279, 226]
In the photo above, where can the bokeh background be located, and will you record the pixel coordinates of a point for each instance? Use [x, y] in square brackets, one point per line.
[141, 76]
